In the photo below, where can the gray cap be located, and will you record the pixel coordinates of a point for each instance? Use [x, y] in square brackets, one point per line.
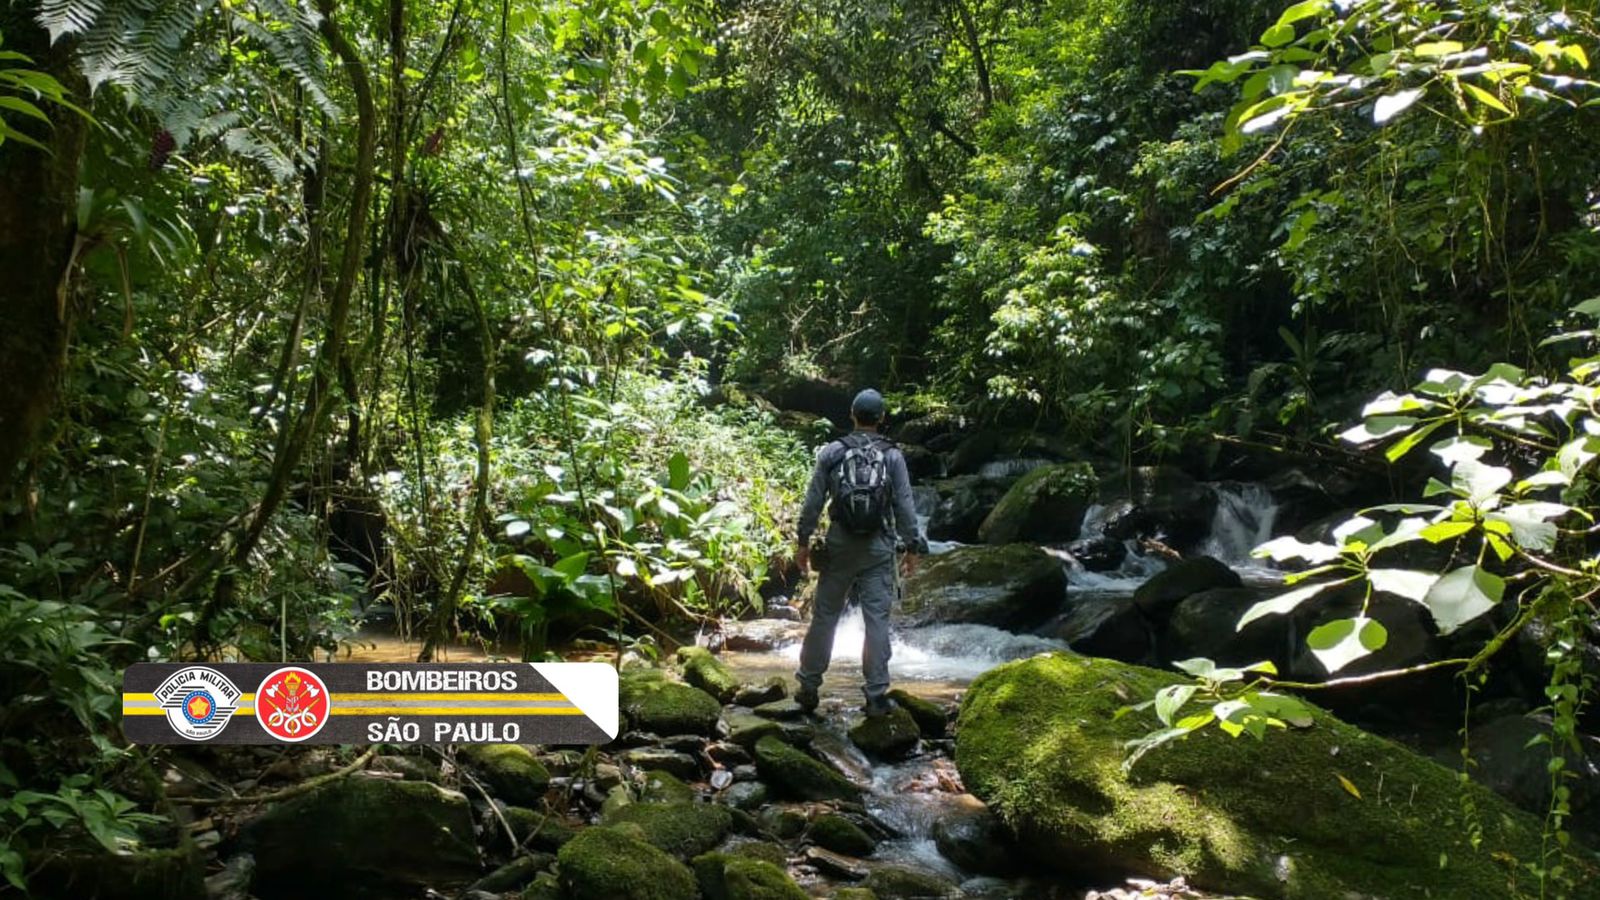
[867, 406]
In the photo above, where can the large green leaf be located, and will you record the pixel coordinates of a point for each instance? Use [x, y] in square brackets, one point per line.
[1343, 641]
[1462, 595]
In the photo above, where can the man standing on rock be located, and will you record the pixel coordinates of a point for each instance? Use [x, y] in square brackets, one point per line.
[865, 476]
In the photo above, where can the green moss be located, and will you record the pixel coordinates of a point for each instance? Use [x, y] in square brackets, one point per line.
[654, 704]
[745, 729]
[895, 882]
[545, 886]
[766, 851]
[510, 771]
[660, 787]
[792, 773]
[1044, 505]
[1037, 741]
[930, 717]
[707, 673]
[725, 876]
[891, 736]
[831, 831]
[605, 864]
[854, 893]
[682, 829]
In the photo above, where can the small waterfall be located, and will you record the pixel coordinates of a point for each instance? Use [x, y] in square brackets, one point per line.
[1136, 568]
[1243, 521]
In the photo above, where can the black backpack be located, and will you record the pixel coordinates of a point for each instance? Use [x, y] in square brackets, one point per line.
[860, 484]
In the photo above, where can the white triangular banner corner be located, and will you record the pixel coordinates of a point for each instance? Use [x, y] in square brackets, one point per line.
[591, 686]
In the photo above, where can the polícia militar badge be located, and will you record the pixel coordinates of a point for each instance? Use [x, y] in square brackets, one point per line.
[197, 701]
[364, 703]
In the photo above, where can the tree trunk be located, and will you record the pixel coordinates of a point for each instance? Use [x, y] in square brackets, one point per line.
[38, 203]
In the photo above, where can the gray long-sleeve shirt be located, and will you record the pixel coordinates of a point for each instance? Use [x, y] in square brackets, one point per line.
[901, 502]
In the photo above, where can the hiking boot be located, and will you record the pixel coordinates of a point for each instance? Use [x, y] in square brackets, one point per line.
[878, 707]
[807, 697]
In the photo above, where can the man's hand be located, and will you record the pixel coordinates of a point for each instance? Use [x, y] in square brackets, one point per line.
[908, 565]
[802, 557]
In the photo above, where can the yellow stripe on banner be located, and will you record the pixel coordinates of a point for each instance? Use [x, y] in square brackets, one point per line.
[128, 698]
[435, 695]
[456, 711]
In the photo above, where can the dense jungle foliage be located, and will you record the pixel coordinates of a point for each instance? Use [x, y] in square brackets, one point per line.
[482, 312]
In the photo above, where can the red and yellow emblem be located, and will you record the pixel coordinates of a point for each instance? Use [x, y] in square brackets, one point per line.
[292, 704]
[199, 707]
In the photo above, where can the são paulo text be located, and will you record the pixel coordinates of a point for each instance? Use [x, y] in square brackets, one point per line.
[393, 732]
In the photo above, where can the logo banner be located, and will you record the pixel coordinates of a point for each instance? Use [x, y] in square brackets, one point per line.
[370, 703]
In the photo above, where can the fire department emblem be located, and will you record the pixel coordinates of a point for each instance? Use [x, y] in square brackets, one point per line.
[198, 702]
[292, 704]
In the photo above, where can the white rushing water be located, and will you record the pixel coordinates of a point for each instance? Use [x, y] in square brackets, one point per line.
[1243, 521]
[936, 653]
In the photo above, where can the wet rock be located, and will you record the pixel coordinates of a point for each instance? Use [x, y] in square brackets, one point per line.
[922, 463]
[692, 744]
[836, 865]
[1100, 625]
[615, 799]
[665, 707]
[744, 729]
[1506, 760]
[533, 828]
[890, 882]
[973, 838]
[800, 734]
[1160, 502]
[707, 673]
[663, 787]
[1040, 743]
[1044, 506]
[233, 882]
[782, 821]
[1206, 624]
[1412, 639]
[672, 762]
[832, 831]
[509, 771]
[514, 874]
[1098, 554]
[606, 776]
[928, 427]
[729, 753]
[761, 635]
[745, 773]
[725, 876]
[681, 829]
[606, 864]
[1016, 587]
[931, 718]
[781, 709]
[637, 739]
[746, 795]
[890, 737]
[790, 772]
[963, 503]
[1184, 578]
[854, 893]
[377, 826]
[774, 688]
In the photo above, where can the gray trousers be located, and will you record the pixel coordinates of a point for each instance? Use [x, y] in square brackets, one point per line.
[864, 565]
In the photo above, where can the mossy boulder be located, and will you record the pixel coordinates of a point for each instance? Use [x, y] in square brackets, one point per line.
[376, 826]
[891, 736]
[832, 831]
[1017, 587]
[745, 729]
[654, 704]
[664, 787]
[681, 829]
[708, 673]
[727, 876]
[606, 864]
[854, 893]
[971, 836]
[510, 771]
[793, 773]
[900, 883]
[1037, 740]
[1045, 506]
[963, 503]
[931, 718]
